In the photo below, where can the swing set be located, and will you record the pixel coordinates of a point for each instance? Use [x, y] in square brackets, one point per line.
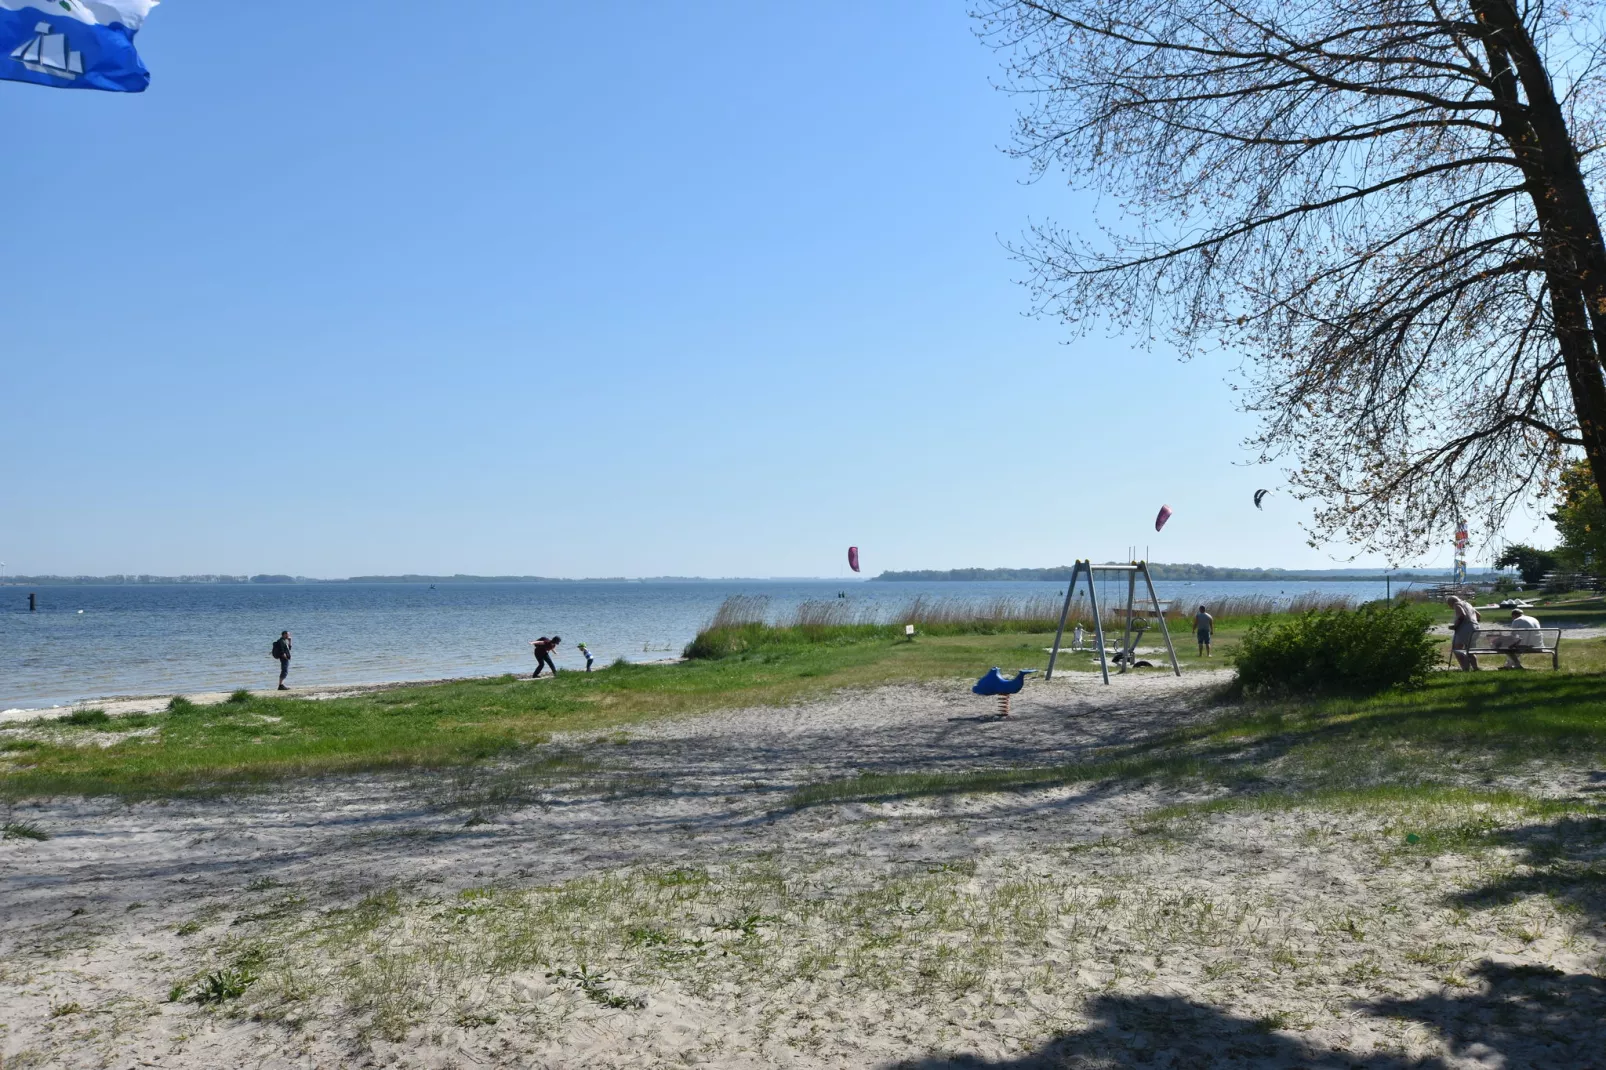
[1132, 571]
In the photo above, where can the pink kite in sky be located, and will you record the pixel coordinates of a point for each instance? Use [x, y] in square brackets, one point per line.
[853, 558]
[1165, 514]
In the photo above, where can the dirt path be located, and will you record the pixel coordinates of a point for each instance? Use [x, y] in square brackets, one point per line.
[649, 899]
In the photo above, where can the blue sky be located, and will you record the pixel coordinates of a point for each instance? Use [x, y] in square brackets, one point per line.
[600, 289]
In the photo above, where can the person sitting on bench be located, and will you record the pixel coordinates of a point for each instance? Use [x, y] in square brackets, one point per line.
[1520, 621]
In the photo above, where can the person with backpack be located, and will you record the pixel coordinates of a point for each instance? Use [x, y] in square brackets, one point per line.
[281, 653]
[542, 648]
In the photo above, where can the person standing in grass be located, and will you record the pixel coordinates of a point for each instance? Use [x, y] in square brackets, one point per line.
[1204, 626]
[1463, 632]
[543, 648]
[281, 652]
[587, 655]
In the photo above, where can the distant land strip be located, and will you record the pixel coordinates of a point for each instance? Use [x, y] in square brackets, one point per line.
[132, 579]
[1060, 573]
[1165, 572]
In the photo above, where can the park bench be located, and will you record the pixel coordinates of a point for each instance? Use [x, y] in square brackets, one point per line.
[1519, 641]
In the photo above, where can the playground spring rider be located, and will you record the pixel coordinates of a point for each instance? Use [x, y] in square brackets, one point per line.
[994, 684]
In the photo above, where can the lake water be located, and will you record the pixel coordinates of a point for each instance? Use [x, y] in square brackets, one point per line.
[89, 642]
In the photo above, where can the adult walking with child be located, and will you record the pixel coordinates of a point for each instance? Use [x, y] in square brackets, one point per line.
[543, 648]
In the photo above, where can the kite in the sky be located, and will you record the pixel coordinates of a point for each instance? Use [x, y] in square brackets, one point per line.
[853, 558]
[1165, 514]
[1260, 495]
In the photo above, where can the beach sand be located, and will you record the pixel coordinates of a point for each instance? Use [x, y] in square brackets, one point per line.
[650, 898]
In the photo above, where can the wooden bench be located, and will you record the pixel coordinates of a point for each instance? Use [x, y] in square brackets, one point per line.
[1519, 641]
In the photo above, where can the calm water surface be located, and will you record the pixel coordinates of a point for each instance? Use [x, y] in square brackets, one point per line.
[99, 641]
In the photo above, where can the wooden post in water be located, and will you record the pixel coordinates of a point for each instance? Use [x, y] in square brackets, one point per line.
[32, 602]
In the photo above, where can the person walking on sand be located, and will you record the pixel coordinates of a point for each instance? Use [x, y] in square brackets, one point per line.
[281, 653]
[587, 655]
[543, 648]
[1463, 632]
[1204, 626]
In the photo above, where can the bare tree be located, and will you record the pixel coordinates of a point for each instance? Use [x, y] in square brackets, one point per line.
[1384, 206]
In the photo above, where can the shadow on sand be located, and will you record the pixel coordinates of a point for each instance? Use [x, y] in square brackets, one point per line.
[1521, 1018]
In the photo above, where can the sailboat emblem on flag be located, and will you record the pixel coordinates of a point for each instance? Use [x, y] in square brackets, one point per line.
[48, 54]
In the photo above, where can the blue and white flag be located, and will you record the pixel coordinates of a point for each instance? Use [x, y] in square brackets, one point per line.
[74, 44]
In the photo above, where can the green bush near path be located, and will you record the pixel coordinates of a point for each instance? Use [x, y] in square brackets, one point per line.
[1362, 651]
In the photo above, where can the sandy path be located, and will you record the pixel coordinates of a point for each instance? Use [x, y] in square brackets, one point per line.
[126, 899]
[712, 779]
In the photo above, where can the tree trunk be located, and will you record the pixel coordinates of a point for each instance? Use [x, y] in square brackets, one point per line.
[1575, 256]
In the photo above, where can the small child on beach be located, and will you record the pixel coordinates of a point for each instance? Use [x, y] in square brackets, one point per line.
[587, 654]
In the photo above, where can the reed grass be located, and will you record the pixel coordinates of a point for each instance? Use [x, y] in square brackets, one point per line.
[747, 623]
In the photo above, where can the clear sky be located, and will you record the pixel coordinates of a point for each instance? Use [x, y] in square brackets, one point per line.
[617, 288]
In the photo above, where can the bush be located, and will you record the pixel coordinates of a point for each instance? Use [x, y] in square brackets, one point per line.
[1360, 651]
[82, 717]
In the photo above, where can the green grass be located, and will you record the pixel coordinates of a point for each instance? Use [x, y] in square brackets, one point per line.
[264, 738]
[1460, 730]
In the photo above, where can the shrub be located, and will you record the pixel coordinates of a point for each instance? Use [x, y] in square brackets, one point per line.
[240, 696]
[1359, 651]
[180, 704]
[86, 717]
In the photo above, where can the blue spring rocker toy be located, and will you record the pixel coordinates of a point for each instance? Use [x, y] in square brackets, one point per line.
[993, 683]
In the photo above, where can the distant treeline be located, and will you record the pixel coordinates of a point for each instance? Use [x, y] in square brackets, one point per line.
[119, 581]
[459, 578]
[1160, 572]
[125, 580]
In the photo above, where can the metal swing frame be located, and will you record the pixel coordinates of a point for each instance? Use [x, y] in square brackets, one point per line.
[1133, 570]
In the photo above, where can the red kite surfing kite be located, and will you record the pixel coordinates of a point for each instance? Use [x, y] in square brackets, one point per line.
[1165, 514]
[853, 558]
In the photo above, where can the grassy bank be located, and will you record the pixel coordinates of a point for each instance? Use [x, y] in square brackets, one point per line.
[1488, 731]
[265, 737]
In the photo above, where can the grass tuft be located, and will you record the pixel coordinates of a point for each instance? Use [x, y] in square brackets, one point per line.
[85, 717]
[22, 830]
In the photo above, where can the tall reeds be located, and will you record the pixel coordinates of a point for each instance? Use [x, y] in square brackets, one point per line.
[745, 622]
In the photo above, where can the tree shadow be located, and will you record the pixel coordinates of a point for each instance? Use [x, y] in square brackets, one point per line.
[1564, 860]
[1166, 1031]
[1524, 1016]
[1520, 1018]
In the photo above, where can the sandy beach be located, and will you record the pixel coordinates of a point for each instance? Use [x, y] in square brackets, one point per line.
[651, 898]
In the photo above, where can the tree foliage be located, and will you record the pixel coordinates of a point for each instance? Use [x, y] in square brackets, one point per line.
[1385, 207]
[1580, 520]
[1531, 563]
